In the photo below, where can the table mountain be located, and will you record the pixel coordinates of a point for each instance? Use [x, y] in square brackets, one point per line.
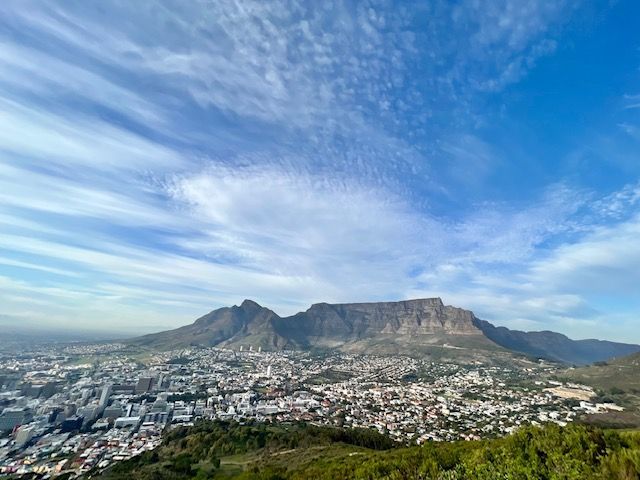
[409, 326]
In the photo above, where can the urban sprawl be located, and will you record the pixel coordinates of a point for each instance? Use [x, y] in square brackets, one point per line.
[72, 409]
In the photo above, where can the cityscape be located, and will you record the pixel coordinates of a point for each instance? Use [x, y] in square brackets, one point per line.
[320, 240]
[79, 408]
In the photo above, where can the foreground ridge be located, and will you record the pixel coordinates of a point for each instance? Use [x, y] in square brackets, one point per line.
[300, 451]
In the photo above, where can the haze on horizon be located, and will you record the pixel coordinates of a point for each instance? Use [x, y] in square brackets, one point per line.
[162, 159]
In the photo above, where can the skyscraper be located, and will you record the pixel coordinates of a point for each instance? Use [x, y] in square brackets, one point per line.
[12, 417]
[144, 384]
[104, 397]
[23, 435]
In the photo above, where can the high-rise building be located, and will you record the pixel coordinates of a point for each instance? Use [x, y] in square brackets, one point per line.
[89, 413]
[23, 435]
[86, 394]
[69, 410]
[113, 411]
[104, 397]
[71, 424]
[129, 389]
[34, 390]
[12, 417]
[50, 388]
[144, 385]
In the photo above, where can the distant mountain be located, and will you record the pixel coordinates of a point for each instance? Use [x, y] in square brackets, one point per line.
[555, 346]
[384, 327]
[410, 326]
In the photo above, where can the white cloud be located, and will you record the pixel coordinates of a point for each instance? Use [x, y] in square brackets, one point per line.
[605, 261]
[501, 41]
[263, 150]
[27, 70]
[278, 236]
[367, 241]
[576, 287]
[29, 134]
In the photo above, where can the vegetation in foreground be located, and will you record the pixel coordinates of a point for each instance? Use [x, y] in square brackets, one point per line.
[228, 450]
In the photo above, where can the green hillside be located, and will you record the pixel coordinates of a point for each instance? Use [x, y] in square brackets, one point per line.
[223, 450]
[621, 373]
[617, 381]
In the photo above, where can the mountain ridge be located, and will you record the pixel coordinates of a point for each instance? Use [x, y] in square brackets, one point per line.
[405, 326]
[556, 346]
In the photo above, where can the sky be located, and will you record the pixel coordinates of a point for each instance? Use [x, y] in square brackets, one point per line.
[162, 159]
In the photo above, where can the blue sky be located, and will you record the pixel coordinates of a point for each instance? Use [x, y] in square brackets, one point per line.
[161, 159]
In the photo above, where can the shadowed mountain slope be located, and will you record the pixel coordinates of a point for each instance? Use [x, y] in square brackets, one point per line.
[249, 323]
[555, 346]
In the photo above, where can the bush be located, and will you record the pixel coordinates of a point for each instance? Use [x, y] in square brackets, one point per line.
[574, 452]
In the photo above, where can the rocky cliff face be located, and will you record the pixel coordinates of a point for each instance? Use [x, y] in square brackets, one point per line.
[354, 321]
[324, 324]
[409, 326]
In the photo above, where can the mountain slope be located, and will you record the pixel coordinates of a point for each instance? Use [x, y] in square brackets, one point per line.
[619, 375]
[383, 327]
[411, 326]
[555, 346]
[224, 450]
[249, 323]
[617, 381]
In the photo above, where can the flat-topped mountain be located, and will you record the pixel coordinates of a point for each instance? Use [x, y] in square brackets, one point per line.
[409, 326]
[412, 317]
[421, 321]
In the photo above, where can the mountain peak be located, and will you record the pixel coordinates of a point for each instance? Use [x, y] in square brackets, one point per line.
[249, 304]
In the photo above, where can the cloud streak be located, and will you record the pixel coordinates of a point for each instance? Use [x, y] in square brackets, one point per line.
[288, 151]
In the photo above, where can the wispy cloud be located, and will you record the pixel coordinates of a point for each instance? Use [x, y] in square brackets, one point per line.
[576, 285]
[161, 159]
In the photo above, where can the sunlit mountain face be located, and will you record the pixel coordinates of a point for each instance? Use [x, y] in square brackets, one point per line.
[161, 159]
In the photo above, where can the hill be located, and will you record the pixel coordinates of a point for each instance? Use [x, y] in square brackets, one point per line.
[222, 450]
[248, 323]
[411, 327]
[622, 373]
[618, 381]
